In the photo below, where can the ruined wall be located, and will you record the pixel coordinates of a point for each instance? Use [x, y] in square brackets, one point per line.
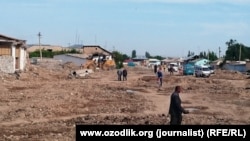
[7, 64]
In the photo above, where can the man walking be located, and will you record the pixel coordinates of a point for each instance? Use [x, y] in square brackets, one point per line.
[159, 77]
[175, 109]
[119, 74]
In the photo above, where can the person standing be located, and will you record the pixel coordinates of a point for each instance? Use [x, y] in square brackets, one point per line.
[159, 77]
[175, 108]
[119, 74]
[164, 67]
[124, 73]
[155, 68]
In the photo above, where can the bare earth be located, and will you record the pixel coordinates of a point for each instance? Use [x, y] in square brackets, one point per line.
[44, 104]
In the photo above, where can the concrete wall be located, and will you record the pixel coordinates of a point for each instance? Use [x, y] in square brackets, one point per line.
[234, 67]
[22, 59]
[7, 64]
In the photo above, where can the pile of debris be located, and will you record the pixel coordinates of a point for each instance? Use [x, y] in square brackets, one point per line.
[82, 73]
[230, 75]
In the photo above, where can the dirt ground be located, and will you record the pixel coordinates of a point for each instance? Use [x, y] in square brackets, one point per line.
[43, 103]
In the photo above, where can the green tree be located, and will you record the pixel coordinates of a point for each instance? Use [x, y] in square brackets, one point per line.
[119, 58]
[231, 42]
[236, 51]
[203, 55]
[212, 56]
[125, 56]
[158, 57]
[50, 54]
[133, 53]
[147, 54]
[190, 53]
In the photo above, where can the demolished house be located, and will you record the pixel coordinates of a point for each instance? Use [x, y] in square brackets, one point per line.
[13, 54]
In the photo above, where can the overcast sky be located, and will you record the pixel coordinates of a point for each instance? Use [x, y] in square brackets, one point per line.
[160, 27]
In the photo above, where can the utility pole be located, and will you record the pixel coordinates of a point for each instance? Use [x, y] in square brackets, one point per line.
[39, 37]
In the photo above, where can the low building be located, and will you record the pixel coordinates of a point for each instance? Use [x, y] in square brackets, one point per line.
[13, 54]
[217, 64]
[140, 60]
[200, 62]
[152, 62]
[95, 50]
[190, 58]
[236, 66]
[32, 48]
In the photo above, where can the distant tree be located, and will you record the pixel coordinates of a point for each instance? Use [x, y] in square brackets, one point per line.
[133, 53]
[147, 54]
[205, 54]
[51, 54]
[212, 56]
[73, 50]
[158, 57]
[202, 55]
[190, 53]
[125, 56]
[119, 58]
[231, 42]
[237, 51]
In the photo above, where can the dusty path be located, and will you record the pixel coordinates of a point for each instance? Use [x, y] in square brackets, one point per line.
[45, 104]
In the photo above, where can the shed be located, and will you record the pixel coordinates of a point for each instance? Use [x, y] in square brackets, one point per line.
[13, 54]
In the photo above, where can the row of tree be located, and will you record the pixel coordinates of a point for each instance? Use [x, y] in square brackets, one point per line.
[50, 54]
[235, 52]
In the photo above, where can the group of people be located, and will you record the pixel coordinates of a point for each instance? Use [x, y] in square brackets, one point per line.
[122, 74]
[175, 108]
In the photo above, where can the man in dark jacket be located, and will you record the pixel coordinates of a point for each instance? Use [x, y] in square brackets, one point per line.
[155, 68]
[125, 73]
[159, 77]
[175, 109]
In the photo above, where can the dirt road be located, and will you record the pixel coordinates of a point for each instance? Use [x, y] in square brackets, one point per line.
[45, 104]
